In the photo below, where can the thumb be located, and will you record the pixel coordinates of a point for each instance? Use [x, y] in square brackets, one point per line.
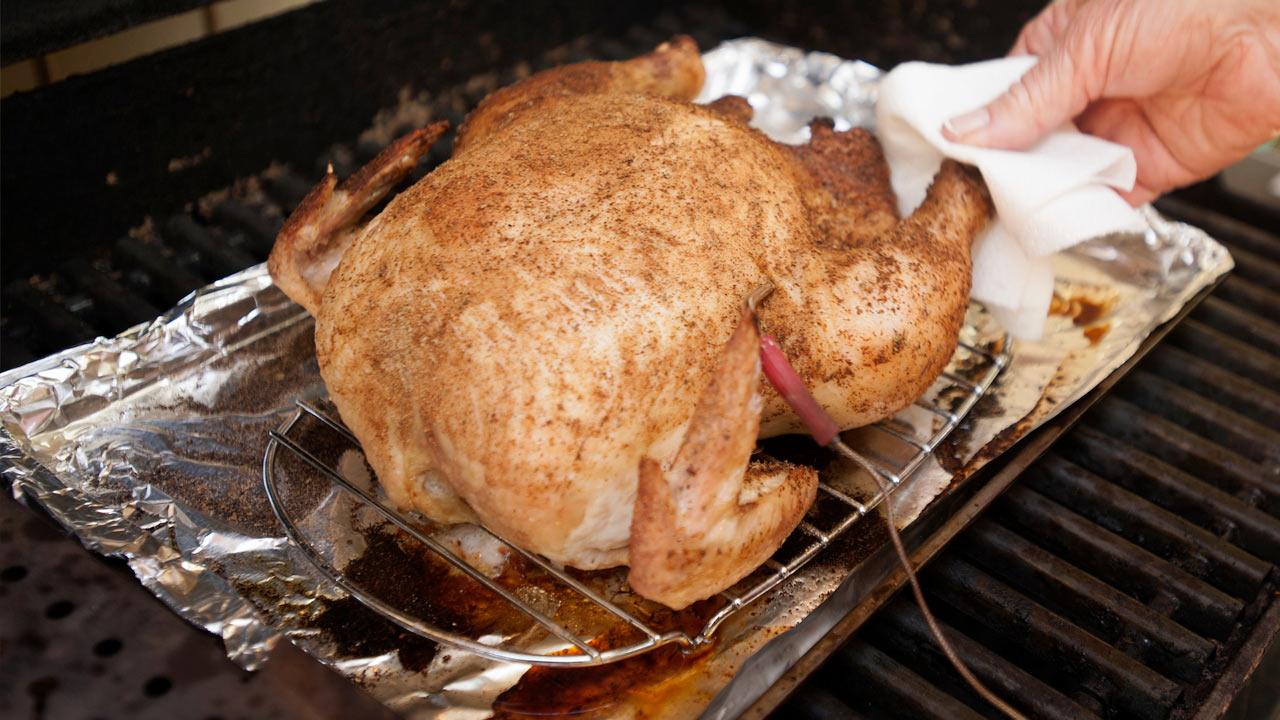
[1046, 96]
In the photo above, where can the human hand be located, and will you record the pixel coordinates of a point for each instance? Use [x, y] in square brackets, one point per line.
[1191, 86]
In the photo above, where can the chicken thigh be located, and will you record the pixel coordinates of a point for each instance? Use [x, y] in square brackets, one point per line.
[546, 334]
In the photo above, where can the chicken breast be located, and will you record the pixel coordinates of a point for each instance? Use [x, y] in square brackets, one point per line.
[545, 334]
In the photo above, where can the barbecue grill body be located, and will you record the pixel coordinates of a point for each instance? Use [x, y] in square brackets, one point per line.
[1169, 629]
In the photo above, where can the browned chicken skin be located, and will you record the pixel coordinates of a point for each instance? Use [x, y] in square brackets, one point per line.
[540, 334]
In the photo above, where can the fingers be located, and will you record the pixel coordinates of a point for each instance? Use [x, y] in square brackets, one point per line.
[1033, 34]
[1140, 195]
[1046, 97]
[1123, 121]
[1107, 118]
[1050, 94]
[1047, 30]
[1020, 45]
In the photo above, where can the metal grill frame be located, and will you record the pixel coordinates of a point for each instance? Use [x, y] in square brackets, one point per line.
[586, 654]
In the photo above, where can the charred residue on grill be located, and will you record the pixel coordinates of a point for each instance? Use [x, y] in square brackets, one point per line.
[411, 578]
[549, 691]
[403, 573]
[645, 683]
[361, 632]
[648, 677]
[416, 581]
[950, 453]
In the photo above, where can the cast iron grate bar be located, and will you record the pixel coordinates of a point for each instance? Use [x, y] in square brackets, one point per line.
[1209, 380]
[1240, 323]
[260, 229]
[110, 298]
[1230, 353]
[1256, 268]
[162, 278]
[1199, 605]
[60, 327]
[1239, 235]
[1177, 491]
[1145, 524]
[1250, 296]
[905, 635]
[1179, 446]
[1008, 613]
[1096, 606]
[216, 258]
[1226, 427]
[896, 685]
[811, 702]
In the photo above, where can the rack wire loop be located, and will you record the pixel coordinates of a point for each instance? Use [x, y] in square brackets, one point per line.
[560, 645]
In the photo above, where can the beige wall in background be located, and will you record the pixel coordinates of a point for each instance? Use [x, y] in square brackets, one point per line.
[126, 45]
[234, 13]
[23, 75]
[138, 41]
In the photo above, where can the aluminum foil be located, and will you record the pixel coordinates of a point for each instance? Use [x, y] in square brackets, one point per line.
[149, 446]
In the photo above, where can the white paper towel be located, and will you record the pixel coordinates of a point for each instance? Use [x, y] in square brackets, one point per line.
[1048, 198]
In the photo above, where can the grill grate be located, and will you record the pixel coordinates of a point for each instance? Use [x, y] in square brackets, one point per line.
[1123, 573]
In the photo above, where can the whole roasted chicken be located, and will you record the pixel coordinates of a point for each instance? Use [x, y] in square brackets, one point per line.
[546, 334]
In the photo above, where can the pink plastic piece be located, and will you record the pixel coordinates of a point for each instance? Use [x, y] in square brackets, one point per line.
[787, 382]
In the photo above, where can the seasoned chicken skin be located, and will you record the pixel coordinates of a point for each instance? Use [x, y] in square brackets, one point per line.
[545, 334]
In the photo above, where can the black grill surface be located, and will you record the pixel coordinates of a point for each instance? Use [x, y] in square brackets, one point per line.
[1131, 572]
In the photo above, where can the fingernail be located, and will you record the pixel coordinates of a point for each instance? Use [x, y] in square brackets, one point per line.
[968, 123]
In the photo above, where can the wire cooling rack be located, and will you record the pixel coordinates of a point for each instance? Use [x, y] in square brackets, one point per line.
[548, 640]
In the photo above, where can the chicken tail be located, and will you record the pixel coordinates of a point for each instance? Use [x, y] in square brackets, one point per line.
[320, 230]
[715, 515]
